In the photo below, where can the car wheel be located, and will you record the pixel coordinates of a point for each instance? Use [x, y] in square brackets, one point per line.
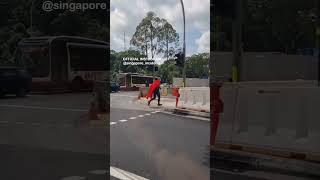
[22, 92]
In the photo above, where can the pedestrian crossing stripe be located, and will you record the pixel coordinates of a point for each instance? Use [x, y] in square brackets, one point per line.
[115, 173]
[124, 175]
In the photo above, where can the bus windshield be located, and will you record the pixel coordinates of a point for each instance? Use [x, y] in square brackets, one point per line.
[88, 59]
[36, 60]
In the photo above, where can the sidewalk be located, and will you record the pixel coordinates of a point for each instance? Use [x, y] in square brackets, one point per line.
[169, 105]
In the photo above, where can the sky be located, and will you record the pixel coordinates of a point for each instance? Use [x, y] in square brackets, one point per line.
[126, 15]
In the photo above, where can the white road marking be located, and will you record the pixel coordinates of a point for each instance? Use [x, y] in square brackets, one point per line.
[187, 116]
[147, 114]
[118, 95]
[67, 125]
[124, 175]
[141, 116]
[133, 118]
[42, 108]
[74, 178]
[98, 172]
[35, 124]
[19, 123]
[123, 120]
[113, 123]
[153, 112]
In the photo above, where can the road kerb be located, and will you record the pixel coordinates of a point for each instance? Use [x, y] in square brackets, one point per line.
[187, 112]
[180, 111]
[266, 162]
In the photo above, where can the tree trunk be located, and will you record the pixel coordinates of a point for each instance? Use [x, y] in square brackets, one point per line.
[167, 45]
[145, 38]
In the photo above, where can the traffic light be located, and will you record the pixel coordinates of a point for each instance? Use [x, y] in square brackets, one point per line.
[179, 59]
[224, 8]
[150, 68]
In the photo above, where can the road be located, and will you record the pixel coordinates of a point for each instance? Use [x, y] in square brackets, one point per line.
[153, 144]
[47, 137]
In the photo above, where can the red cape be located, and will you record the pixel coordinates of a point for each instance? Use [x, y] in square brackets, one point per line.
[153, 87]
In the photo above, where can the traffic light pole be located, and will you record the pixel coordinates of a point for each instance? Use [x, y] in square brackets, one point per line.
[318, 37]
[184, 46]
[237, 40]
[31, 18]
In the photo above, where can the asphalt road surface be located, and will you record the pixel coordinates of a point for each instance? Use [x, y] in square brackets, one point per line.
[47, 137]
[156, 145]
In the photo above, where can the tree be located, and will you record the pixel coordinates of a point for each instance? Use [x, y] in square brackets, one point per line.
[168, 70]
[15, 24]
[170, 39]
[198, 66]
[153, 34]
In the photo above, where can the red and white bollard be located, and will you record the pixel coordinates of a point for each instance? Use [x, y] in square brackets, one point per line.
[177, 98]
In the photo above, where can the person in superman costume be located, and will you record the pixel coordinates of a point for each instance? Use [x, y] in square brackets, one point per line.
[154, 91]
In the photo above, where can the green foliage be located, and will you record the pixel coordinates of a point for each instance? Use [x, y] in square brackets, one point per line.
[116, 63]
[168, 70]
[198, 66]
[156, 36]
[15, 24]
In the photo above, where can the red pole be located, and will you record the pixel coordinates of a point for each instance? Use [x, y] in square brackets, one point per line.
[216, 107]
[177, 98]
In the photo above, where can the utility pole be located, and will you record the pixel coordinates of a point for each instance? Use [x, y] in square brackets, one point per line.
[31, 18]
[124, 41]
[237, 40]
[317, 28]
[184, 45]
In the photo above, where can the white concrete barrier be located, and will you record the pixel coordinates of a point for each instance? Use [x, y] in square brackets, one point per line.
[283, 117]
[195, 98]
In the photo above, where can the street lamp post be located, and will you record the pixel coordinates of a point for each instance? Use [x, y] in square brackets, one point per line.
[317, 26]
[184, 45]
[31, 18]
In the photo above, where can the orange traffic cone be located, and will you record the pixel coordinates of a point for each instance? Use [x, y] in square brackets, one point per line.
[93, 112]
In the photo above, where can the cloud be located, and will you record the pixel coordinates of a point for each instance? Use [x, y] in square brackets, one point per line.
[127, 14]
[204, 42]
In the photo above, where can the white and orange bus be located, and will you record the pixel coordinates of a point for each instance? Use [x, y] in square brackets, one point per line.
[134, 80]
[66, 62]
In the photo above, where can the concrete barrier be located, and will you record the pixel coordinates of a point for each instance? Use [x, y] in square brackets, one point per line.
[100, 102]
[143, 92]
[195, 98]
[164, 91]
[281, 119]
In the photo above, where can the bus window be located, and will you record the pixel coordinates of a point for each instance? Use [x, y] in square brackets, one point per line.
[37, 61]
[88, 59]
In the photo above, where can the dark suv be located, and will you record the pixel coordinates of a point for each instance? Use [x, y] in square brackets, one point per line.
[14, 80]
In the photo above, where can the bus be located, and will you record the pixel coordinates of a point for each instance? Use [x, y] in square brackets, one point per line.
[132, 80]
[66, 62]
